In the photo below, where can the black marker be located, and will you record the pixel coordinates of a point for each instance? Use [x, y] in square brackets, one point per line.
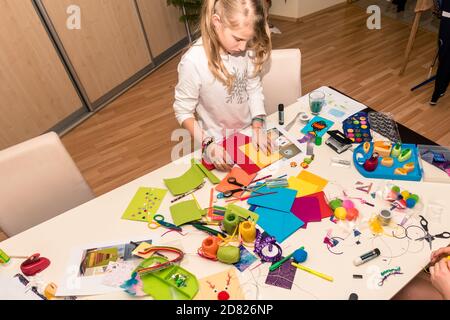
[367, 257]
[281, 114]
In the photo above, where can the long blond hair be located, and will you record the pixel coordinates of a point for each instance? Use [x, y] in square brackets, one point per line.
[261, 44]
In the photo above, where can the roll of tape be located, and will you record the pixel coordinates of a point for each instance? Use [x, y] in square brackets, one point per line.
[385, 217]
[248, 231]
[230, 222]
[304, 117]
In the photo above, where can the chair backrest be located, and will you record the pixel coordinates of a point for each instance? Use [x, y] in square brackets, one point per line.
[39, 180]
[281, 79]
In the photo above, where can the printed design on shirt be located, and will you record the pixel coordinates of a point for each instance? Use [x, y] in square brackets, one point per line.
[238, 93]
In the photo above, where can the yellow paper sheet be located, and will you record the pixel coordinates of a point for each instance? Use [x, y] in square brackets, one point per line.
[312, 178]
[303, 187]
[259, 158]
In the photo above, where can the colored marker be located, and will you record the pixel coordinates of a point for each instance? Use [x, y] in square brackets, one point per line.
[4, 258]
[276, 265]
[367, 257]
[318, 274]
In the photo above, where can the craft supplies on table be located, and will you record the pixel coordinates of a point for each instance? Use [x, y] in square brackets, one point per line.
[377, 160]
[384, 124]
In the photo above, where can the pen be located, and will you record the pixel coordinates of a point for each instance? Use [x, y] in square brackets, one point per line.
[318, 274]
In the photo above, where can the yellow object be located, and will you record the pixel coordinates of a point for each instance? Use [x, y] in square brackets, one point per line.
[313, 178]
[409, 167]
[247, 230]
[405, 194]
[261, 159]
[366, 147]
[50, 291]
[401, 171]
[304, 188]
[340, 213]
[448, 258]
[375, 225]
[318, 274]
[387, 162]
[382, 148]
[142, 248]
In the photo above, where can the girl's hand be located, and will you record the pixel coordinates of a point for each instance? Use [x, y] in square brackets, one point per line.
[440, 277]
[260, 140]
[439, 254]
[217, 155]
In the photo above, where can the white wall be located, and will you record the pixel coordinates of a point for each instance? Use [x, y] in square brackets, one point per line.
[300, 8]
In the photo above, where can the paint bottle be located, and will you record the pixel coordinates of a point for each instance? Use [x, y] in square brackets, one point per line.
[4, 258]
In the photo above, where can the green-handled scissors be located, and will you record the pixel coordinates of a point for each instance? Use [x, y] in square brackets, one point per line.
[158, 221]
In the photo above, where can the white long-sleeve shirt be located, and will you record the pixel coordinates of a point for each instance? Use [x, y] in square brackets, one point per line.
[199, 93]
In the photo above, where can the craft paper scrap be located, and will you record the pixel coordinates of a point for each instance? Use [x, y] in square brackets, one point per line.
[145, 204]
[221, 286]
[283, 277]
[307, 209]
[304, 188]
[241, 177]
[247, 259]
[243, 213]
[278, 224]
[186, 211]
[190, 180]
[282, 200]
[141, 248]
[208, 174]
[118, 272]
[313, 178]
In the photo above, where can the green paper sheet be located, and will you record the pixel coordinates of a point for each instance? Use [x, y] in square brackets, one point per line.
[190, 180]
[186, 211]
[211, 176]
[243, 213]
[145, 204]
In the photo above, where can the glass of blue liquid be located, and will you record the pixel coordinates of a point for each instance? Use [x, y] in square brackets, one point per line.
[316, 102]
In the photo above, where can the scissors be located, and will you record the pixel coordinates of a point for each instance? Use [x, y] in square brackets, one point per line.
[428, 237]
[158, 221]
[233, 181]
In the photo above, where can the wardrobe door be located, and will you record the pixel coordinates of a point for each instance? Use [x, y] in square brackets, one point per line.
[107, 50]
[36, 93]
[162, 26]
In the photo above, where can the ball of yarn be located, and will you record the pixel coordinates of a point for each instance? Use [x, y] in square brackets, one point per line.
[396, 189]
[340, 213]
[352, 214]
[410, 203]
[348, 204]
[336, 203]
[415, 197]
[300, 256]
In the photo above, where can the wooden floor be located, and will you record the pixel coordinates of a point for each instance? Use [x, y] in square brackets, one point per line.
[131, 136]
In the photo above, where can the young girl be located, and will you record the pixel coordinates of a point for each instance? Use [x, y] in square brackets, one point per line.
[219, 87]
[435, 286]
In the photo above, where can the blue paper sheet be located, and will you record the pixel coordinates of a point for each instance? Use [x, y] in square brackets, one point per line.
[278, 224]
[282, 200]
[318, 125]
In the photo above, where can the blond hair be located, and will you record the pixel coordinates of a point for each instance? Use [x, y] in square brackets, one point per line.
[261, 44]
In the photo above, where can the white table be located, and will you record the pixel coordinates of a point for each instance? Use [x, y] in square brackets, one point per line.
[99, 221]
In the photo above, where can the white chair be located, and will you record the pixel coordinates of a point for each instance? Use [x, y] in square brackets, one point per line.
[39, 180]
[281, 79]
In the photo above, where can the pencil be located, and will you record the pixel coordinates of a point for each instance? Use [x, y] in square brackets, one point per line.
[318, 274]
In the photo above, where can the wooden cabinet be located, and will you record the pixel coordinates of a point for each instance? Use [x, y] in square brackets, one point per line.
[36, 92]
[162, 25]
[108, 49]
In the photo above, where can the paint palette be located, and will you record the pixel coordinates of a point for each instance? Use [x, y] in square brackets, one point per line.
[389, 166]
[357, 128]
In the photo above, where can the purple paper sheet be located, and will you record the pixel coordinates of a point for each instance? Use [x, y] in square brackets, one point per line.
[283, 277]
